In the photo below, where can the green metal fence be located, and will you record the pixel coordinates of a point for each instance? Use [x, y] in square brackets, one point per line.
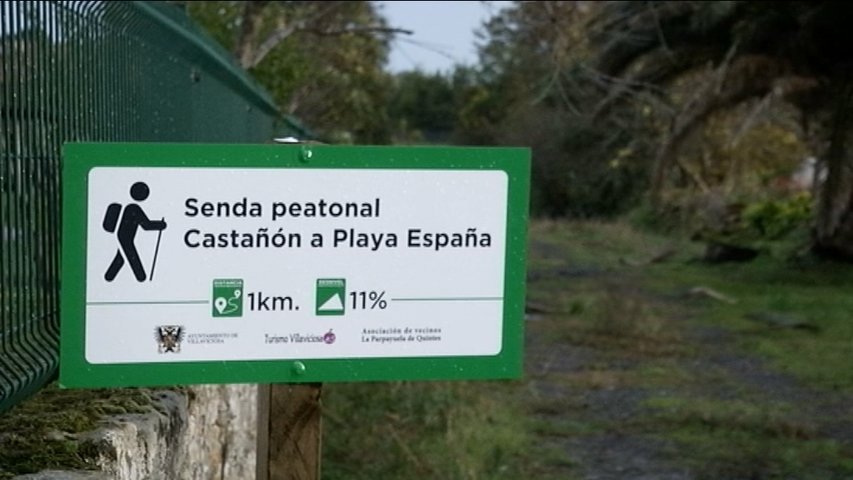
[92, 71]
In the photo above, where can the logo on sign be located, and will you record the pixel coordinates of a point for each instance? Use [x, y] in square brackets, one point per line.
[169, 338]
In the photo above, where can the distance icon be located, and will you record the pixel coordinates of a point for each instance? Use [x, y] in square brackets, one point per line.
[228, 297]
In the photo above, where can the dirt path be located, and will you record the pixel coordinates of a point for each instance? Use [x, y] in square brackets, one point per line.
[825, 413]
[603, 450]
[606, 409]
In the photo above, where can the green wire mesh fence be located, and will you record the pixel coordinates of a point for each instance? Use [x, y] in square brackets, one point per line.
[92, 71]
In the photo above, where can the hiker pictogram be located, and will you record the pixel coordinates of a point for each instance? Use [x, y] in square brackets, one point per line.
[125, 223]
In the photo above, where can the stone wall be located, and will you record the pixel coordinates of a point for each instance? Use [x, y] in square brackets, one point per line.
[199, 433]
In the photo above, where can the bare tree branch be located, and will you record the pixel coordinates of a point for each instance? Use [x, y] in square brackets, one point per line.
[271, 42]
[252, 57]
[280, 34]
[252, 18]
[344, 31]
[734, 81]
[661, 36]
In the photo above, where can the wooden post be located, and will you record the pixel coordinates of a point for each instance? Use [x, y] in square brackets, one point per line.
[289, 431]
[290, 424]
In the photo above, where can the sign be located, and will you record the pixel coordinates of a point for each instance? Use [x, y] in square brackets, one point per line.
[229, 264]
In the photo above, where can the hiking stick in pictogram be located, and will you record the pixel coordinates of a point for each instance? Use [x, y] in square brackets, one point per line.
[156, 251]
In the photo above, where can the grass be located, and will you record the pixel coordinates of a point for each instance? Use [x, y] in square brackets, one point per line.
[623, 295]
[423, 430]
[813, 292]
[734, 439]
[814, 295]
[492, 430]
[636, 309]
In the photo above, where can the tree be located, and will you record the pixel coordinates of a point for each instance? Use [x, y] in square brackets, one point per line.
[531, 88]
[782, 51]
[322, 61]
[646, 80]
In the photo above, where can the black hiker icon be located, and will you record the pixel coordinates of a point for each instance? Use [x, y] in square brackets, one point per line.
[128, 222]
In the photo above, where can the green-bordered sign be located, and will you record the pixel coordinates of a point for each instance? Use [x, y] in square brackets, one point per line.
[243, 263]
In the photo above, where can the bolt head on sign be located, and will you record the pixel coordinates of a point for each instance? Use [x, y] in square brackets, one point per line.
[229, 263]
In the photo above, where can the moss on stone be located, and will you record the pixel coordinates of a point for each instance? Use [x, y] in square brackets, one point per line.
[42, 432]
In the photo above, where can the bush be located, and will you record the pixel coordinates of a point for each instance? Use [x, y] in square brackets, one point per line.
[771, 225]
[774, 219]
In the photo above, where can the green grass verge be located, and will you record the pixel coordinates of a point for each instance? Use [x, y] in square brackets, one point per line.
[604, 289]
[436, 430]
[736, 439]
[798, 317]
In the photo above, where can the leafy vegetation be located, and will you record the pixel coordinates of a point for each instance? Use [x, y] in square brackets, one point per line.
[322, 61]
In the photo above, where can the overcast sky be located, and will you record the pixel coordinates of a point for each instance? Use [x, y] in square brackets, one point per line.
[444, 32]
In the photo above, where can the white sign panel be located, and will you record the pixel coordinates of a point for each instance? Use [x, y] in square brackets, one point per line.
[260, 263]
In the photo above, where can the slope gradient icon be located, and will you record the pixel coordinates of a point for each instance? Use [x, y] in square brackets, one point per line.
[330, 295]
